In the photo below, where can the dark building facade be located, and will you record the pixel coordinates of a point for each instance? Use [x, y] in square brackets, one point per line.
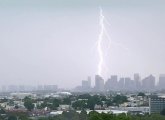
[156, 105]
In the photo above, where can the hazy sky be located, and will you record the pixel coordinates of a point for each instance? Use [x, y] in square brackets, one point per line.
[54, 41]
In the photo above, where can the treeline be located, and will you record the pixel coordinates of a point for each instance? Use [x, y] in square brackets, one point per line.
[93, 115]
[72, 115]
[88, 101]
[79, 102]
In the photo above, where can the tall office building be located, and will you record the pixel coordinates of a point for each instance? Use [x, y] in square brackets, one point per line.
[112, 83]
[129, 84]
[89, 81]
[161, 84]
[86, 84]
[121, 84]
[137, 81]
[107, 85]
[148, 83]
[99, 83]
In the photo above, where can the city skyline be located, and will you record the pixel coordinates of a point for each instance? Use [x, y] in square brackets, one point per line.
[54, 42]
[113, 83]
[137, 83]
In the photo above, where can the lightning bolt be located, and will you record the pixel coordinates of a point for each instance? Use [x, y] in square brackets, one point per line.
[99, 43]
[103, 45]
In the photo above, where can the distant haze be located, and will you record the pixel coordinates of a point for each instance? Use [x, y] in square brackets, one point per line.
[54, 41]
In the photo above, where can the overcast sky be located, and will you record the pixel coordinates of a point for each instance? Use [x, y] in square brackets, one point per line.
[54, 41]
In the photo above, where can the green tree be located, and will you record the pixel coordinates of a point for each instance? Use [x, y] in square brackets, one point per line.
[123, 117]
[28, 103]
[23, 117]
[141, 94]
[70, 115]
[2, 111]
[66, 101]
[103, 98]
[84, 96]
[105, 116]
[12, 117]
[94, 116]
[93, 100]
[83, 115]
[118, 99]
[91, 104]
[56, 103]
[162, 112]
[108, 102]
[79, 104]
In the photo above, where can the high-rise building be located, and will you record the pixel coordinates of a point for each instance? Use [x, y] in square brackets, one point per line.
[161, 84]
[86, 84]
[112, 83]
[121, 84]
[129, 84]
[107, 85]
[148, 83]
[89, 81]
[99, 83]
[137, 81]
